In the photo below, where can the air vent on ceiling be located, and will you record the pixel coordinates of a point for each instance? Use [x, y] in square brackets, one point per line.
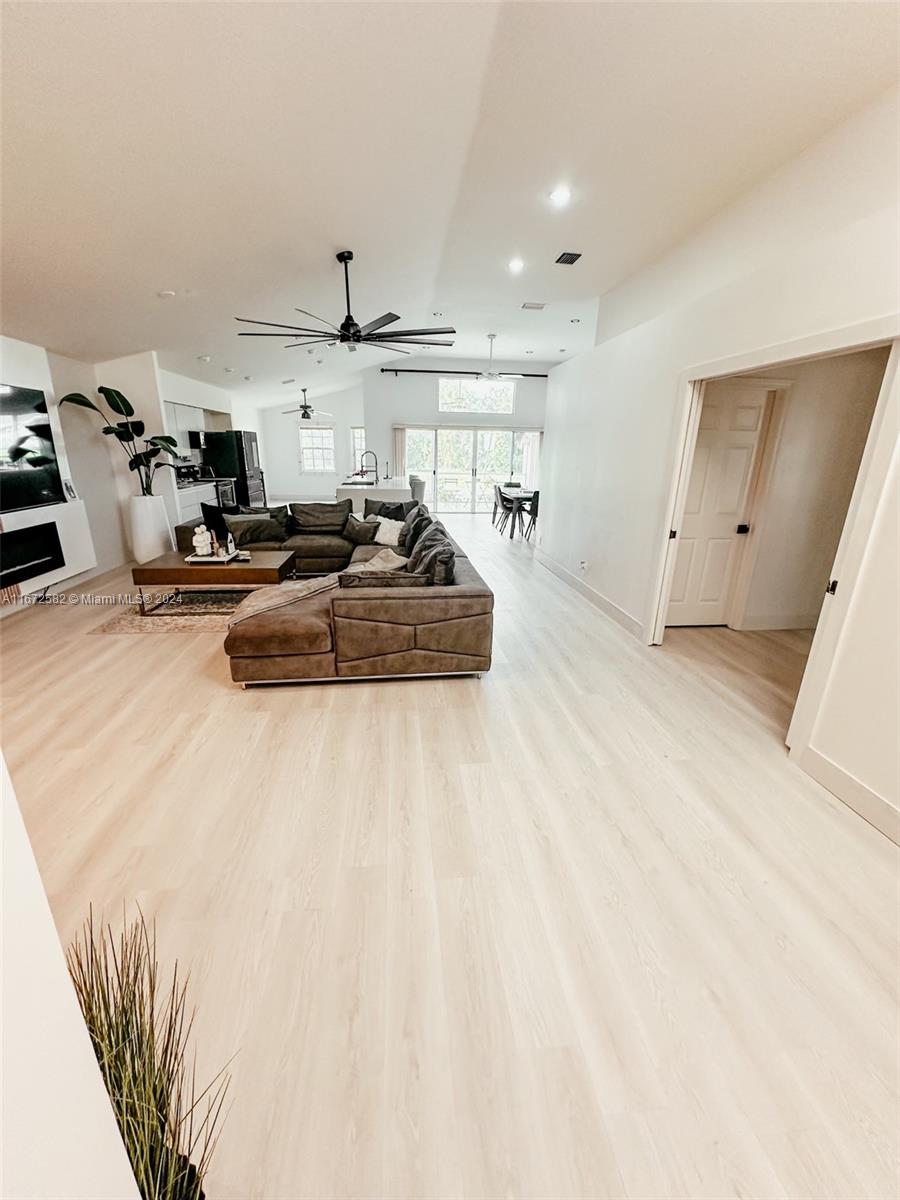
[568, 257]
[533, 305]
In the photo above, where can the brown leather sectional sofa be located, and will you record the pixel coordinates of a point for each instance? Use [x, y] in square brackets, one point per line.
[368, 632]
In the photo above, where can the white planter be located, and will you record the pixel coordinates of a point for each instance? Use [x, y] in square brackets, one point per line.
[149, 523]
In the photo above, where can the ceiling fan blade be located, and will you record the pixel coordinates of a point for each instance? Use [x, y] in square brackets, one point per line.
[285, 333]
[386, 319]
[319, 413]
[510, 375]
[330, 324]
[277, 325]
[404, 342]
[386, 346]
[310, 342]
[402, 333]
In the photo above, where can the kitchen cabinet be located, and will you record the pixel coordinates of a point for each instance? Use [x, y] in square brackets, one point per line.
[190, 499]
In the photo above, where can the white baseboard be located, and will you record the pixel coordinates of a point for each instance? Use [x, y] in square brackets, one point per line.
[851, 791]
[606, 606]
[779, 621]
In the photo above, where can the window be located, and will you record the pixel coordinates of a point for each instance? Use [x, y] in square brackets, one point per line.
[476, 395]
[316, 448]
[357, 444]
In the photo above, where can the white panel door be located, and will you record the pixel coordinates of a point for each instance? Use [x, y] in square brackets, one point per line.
[728, 444]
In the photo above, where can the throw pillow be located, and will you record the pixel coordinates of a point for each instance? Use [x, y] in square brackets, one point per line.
[433, 535]
[407, 537]
[382, 579]
[279, 513]
[214, 518]
[361, 533]
[394, 512]
[438, 563]
[320, 518]
[387, 532]
[248, 528]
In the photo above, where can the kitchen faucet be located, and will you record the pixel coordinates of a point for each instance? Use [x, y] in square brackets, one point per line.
[363, 469]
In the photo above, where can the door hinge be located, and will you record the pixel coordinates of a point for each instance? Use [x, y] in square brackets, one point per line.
[672, 533]
[832, 588]
[742, 528]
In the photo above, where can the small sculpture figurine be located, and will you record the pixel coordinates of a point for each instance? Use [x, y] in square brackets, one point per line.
[229, 543]
[202, 540]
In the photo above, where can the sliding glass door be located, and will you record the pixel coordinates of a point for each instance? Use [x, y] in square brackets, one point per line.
[492, 465]
[420, 452]
[461, 467]
[455, 470]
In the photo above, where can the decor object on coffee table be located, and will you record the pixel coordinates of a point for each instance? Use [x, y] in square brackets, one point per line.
[149, 523]
[140, 1026]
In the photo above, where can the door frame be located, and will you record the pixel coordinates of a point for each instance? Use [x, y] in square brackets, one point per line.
[830, 343]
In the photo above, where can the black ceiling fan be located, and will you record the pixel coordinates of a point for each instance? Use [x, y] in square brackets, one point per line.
[306, 410]
[349, 332]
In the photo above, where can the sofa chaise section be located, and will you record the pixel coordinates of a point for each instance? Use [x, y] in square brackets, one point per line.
[366, 632]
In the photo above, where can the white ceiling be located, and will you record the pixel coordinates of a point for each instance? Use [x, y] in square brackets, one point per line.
[225, 151]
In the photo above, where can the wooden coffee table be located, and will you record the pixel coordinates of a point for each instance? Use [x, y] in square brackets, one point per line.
[170, 571]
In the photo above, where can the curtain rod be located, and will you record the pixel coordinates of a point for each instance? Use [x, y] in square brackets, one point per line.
[476, 374]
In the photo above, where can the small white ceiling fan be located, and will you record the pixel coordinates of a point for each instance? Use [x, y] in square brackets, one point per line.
[306, 410]
[490, 373]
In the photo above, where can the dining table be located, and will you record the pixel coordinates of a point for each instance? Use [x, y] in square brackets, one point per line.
[518, 496]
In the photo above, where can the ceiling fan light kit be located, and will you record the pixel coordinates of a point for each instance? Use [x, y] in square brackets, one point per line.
[349, 333]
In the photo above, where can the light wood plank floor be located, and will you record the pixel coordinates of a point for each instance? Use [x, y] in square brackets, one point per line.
[576, 930]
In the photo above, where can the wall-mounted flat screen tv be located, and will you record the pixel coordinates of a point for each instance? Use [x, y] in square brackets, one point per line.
[29, 472]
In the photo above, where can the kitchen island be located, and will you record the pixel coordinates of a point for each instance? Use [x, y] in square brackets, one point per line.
[358, 491]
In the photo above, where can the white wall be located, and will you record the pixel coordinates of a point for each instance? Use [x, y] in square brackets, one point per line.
[137, 377]
[90, 462]
[180, 389]
[59, 1136]
[279, 439]
[797, 526]
[812, 250]
[413, 400]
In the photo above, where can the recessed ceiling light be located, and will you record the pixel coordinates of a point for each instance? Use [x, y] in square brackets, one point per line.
[529, 352]
[437, 314]
[516, 265]
[561, 195]
[228, 370]
[203, 357]
[534, 305]
[289, 381]
[575, 320]
[248, 378]
[165, 295]
[319, 362]
[562, 351]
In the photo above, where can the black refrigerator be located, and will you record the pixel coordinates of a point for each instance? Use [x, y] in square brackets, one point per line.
[235, 455]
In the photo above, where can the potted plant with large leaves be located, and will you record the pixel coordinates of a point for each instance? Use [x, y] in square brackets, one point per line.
[149, 523]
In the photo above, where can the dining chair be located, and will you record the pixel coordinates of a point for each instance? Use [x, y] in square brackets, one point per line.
[531, 511]
[505, 506]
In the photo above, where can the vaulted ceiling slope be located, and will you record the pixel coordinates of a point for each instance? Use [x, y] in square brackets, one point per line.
[225, 151]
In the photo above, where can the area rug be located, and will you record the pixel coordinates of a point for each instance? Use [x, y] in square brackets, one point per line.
[205, 612]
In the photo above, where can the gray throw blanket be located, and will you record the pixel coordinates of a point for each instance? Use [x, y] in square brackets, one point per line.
[281, 595]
